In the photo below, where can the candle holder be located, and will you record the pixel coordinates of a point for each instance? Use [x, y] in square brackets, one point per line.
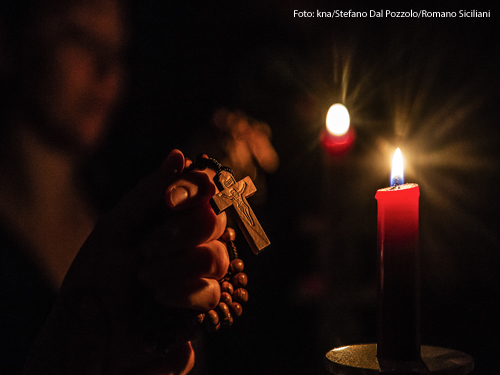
[362, 360]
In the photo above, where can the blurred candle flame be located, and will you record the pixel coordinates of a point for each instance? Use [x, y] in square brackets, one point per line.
[337, 119]
[397, 171]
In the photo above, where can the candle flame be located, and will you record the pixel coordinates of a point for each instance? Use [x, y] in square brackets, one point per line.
[337, 119]
[397, 172]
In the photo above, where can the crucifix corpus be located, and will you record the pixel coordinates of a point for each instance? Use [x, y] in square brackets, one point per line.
[233, 196]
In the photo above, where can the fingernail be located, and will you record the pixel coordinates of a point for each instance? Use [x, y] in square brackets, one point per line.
[178, 195]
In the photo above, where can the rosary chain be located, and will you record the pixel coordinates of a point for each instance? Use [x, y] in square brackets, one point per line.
[233, 293]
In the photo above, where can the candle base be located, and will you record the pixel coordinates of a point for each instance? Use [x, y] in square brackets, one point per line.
[362, 359]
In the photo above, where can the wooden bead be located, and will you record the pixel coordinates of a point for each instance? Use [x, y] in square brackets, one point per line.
[192, 320]
[236, 266]
[240, 295]
[228, 235]
[228, 322]
[200, 318]
[240, 280]
[226, 298]
[213, 317]
[227, 287]
[232, 233]
[212, 321]
[224, 314]
[236, 309]
[223, 310]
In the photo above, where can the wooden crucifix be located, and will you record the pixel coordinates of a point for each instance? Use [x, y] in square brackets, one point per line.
[233, 195]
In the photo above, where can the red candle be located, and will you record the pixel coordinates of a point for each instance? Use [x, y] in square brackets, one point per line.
[398, 280]
[337, 145]
[338, 136]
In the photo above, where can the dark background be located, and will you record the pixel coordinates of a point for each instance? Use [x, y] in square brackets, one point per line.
[429, 86]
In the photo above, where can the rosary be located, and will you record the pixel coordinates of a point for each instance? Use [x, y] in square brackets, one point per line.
[232, 197]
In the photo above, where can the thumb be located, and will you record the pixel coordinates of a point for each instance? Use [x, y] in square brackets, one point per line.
[192, 188]
[153, 200]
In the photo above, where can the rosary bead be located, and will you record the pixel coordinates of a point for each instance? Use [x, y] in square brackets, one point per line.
[236, 266]
[228, 235]
[227, 287]
[222, 309]
[225, 314]
[227, 322]
[236, 308]
[240, 280]
[240, 295]
[212, 320]
[232, 234]
[200, 318]
[226, 298]
[213, 317]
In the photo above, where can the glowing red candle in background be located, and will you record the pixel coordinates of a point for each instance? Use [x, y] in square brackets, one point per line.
[338, 136]
[399, 279]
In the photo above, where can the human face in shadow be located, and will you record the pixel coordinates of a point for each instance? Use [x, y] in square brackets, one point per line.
[81, 74]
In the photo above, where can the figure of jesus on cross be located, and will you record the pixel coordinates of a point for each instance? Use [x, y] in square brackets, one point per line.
[233, 195]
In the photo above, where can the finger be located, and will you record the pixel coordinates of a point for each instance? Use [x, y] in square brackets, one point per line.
[196, 225]
[146, 206]
[184, 230]
[209, 260]
[174, 163]
[196, 294]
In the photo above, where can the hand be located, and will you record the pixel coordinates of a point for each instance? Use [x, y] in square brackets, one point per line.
[233, 293]
[158, 246]
[182, 257]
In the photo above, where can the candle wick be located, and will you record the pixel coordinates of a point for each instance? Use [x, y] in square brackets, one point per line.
[395, 186]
